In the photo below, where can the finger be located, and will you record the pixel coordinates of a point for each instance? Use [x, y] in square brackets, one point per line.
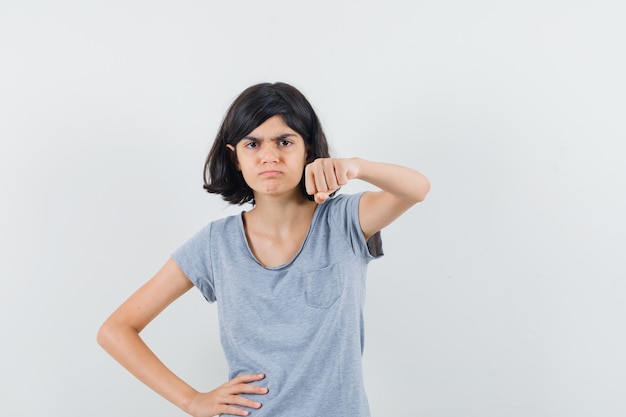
[242, 401]
[321, 197]
[245, 378]
[247, 389]
[309, 182]
[319, 175]
[230, 410]
[230, 405]
[330, 174]
[341, 173]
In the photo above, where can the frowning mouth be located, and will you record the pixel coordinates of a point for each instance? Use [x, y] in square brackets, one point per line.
[270, 173]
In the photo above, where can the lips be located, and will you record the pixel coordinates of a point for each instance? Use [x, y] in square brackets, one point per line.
[269, 173]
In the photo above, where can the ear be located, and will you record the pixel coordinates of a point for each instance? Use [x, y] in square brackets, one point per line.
[233, 156]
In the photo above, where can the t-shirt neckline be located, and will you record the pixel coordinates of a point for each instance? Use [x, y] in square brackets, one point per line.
[295, 257]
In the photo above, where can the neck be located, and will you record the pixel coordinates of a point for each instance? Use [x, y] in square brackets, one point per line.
[279, 215]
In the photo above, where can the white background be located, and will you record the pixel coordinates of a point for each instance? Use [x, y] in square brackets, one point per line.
[502, 294]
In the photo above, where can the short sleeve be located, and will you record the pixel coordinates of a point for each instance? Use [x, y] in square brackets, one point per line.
[347, 217]
[194, 258]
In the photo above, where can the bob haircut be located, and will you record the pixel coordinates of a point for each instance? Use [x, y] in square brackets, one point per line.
[250, 109]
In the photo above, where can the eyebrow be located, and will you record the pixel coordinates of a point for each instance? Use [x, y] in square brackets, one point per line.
[279, 137]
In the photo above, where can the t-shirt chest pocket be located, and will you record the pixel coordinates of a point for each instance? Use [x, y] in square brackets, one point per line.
[323, 287]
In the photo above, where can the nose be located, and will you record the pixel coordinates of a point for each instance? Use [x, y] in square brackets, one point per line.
[269, 153]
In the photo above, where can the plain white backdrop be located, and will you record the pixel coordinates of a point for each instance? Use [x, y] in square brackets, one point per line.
[503, 294]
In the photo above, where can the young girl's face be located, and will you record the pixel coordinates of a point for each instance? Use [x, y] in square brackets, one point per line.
[271, 158]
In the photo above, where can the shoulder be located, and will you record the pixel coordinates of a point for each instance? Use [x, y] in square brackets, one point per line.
[343, 202]
[226, 222]
[216, 227]
[341, 208]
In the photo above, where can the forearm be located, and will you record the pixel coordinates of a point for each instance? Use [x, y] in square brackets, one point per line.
[126, 346]
[404, 183]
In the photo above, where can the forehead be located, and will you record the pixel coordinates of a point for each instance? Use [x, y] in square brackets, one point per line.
[272, 128]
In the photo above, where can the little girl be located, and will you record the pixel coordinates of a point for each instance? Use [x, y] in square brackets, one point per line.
[288, 275]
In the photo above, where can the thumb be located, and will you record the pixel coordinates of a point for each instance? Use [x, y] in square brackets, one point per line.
[321, 197]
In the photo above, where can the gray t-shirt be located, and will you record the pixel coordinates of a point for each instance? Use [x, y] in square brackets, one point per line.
[301, 323]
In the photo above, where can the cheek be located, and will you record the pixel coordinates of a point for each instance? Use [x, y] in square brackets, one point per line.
[244, 168]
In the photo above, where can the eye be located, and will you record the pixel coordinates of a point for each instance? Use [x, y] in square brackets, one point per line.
[251, 145]
[284, 142]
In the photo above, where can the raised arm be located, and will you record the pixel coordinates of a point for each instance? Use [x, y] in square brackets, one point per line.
[400, 188]
[119, 336]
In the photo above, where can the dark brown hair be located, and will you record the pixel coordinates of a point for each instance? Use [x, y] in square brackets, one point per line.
[250, 109]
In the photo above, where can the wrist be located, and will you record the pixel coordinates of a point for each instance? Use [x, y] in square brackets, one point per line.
[355, 170]
[187, 400]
